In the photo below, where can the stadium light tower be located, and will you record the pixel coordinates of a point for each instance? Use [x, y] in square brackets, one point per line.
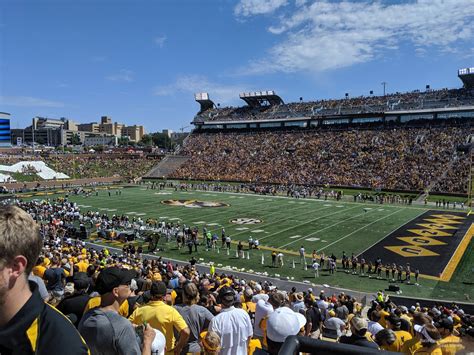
[384, 84]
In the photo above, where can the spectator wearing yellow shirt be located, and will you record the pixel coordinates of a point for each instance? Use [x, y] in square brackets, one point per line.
[414, 343]
[429, 336]
[383, 315]
[82, 265]
[39, 268]
[394, 323]
[164, 318]
[385, 339]
[405, 317]
[449, 343]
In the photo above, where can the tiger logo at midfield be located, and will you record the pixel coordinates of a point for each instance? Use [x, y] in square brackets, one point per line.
[246, 221]
[194, 203]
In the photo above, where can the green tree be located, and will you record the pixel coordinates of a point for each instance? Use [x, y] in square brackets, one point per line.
[162, 140]
[123, 141]
[147, 140]
[75, 139]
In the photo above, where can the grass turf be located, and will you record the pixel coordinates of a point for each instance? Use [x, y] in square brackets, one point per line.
[286, 224]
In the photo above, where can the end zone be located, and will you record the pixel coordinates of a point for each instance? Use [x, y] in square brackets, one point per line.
[433, 243]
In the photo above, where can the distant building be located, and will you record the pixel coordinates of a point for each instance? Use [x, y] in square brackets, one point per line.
[53, 123]
[175, 136]
[167, 132]
[89, 127]
[46, 131]
[134, 133]
[5, 133]
[111, 128]
[57, 132]
[107, 140]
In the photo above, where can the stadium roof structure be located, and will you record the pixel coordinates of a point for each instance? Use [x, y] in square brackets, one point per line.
[261, 98]
[467, 77]
[204, 100]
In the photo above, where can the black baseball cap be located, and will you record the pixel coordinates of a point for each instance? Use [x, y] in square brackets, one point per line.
[113, 277]
[80, 280]
[445, 324]
[158, 288]
[226, 293]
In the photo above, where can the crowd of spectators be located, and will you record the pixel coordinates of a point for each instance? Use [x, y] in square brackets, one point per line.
[396, 158]
[100, 165]
[90, 165]
[456, 178]
[429, 99]
[133, 304]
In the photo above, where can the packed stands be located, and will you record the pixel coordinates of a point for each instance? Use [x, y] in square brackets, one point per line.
[100, 165]
[404, 158]
[416, 100]
[209, 311]
[84, 165]
[456, 178]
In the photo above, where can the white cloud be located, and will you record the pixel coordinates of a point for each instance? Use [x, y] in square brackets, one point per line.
[325, 35]
[123, 75]
[28, 101]
[160, 41]
[258, 7]
[191, 84]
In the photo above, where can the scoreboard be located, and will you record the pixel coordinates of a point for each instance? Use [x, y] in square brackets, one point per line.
[5, 140]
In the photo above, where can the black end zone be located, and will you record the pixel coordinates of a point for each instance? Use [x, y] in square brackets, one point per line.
[427, 242]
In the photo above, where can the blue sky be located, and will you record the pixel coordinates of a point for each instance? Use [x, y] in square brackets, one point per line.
[141, 61]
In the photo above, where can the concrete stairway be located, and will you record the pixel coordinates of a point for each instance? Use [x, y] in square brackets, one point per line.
[166, 166]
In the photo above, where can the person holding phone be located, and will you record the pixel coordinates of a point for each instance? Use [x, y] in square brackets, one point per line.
[103, 328]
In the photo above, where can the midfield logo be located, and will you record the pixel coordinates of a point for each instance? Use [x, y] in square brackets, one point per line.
[246, 221]
[194, 203]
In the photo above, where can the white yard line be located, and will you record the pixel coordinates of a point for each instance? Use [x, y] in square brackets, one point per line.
[313, 199]
[322, 229]
[357, 230]
[418, 215]
[310, 221]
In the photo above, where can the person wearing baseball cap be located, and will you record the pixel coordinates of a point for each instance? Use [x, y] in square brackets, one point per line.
[394, 323]
[358, 337]
[73, 306]
[104, 330]
[233, 325]
[449, 343]
[282, 323]
[429, 337]
[163, 317]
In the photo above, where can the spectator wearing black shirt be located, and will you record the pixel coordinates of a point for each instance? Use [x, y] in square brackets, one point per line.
[358, 329]
[74, 305]
[27, 324]
[314, 320]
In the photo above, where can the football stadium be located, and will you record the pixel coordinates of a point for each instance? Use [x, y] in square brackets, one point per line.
[336, 225]
[351, 195]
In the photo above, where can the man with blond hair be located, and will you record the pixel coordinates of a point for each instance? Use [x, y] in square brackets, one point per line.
[27, 324]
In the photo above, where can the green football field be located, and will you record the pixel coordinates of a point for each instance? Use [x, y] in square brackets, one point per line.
[284, 224]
